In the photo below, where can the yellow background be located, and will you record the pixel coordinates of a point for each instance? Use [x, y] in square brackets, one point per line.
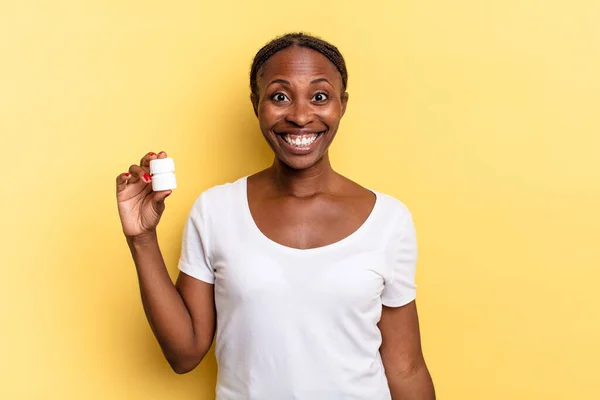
[482, 116]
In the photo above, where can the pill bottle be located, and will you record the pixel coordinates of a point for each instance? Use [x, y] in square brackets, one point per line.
[162, 171]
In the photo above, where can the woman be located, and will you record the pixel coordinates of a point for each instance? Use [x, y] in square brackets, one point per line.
[308, 276]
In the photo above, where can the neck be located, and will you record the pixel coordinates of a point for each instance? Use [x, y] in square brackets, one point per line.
[303, 183]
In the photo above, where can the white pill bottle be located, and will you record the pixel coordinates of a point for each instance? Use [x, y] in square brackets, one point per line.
[163, 176]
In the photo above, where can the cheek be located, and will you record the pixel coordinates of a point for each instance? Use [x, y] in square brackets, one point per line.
[331, 116]
[268, 115]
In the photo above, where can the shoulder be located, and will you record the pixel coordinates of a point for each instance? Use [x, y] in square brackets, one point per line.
[395, 220]
[386, 204]
[219, 198]
[399, 230]
[393, 208]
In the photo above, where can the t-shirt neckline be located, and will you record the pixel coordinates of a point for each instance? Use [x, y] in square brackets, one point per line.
[355, 235]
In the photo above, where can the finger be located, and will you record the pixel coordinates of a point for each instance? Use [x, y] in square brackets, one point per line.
[162, 154]
[122, 180]
[145, 161]
[139, 173]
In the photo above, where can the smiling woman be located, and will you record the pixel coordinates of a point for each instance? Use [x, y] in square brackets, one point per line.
[290, 73]
[308, 275]
[300, 101]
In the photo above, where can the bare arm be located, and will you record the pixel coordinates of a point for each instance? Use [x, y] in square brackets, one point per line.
[181, 316]
[407, 374]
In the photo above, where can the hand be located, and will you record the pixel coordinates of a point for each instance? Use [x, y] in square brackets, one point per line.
[140, 208]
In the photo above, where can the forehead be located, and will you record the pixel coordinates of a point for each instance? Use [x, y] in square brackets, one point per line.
[298, 63]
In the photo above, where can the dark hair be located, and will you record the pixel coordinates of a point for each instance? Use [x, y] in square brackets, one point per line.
[299, 39]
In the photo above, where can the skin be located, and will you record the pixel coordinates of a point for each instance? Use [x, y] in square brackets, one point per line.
[182, 317]
[300, 202]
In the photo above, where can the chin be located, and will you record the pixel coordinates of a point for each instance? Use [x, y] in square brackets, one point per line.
[300, 163]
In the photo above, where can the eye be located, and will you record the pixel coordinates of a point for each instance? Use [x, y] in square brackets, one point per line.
[320, 97]
[279, 97]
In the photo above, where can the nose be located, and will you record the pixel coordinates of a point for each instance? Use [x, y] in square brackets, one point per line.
[300, 113]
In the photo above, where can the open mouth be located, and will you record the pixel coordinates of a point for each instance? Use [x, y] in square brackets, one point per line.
[300, 141]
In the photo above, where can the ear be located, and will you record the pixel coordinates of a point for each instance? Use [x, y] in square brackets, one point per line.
[254, 100]
[345, 97]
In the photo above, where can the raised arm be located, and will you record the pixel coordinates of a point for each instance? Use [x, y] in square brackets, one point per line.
[181, 316]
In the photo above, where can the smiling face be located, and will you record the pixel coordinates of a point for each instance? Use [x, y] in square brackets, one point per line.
[299, 106]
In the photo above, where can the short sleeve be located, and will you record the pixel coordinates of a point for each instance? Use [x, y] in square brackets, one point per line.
[399, 287]
[194, 259]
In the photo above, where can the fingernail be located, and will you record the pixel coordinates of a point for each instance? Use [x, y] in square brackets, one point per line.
[147, 177]
[168, 194]
[127, 174]
[162, 152]
[152, 154]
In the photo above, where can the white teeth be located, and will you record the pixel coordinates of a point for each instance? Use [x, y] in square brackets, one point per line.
[300, 142]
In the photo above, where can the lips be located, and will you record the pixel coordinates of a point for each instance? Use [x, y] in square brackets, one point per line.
[299, 142]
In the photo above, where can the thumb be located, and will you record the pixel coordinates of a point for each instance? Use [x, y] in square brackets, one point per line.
[159, 197]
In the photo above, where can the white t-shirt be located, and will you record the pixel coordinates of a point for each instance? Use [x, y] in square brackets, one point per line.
[299, 324]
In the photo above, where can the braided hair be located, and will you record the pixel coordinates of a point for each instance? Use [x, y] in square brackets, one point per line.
[298, 39]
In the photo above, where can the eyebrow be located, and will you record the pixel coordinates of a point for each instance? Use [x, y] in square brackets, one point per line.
[320, 80]
[284, 82]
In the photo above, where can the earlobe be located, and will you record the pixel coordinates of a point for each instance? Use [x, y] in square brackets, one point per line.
[254, 100]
